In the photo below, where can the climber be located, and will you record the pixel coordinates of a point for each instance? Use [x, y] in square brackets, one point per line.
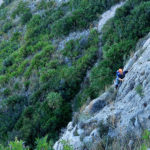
[120, 76]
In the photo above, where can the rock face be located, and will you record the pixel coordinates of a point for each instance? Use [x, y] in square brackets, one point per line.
[1, 1]
[116, 113]
[61, 1]
[108, 15]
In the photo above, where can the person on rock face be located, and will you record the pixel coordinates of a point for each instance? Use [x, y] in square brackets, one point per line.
[120, 76]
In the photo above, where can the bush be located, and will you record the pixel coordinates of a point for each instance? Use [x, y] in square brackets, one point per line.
[11, 112]
[27, 15]
[72, 50]
[16, 36]
[139, 90]
[34, 27]
[3, 80]
[45, 5]
[17, 145]
[7, 26]
[23, 11]
[54, 100]
[66, 145]
[21, 8]
[84, 13]
[3, 148]
[8, 61]
[7, 92]
[43, 144]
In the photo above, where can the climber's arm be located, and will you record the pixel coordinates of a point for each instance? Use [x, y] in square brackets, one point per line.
[125, 72]
[120, 79]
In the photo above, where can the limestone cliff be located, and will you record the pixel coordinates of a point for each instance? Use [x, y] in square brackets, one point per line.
[116, 113]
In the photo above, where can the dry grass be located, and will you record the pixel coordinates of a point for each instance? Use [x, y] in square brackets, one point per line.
[117, 145]
[130, 142]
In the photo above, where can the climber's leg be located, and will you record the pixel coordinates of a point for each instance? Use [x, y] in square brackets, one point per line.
[117, 83]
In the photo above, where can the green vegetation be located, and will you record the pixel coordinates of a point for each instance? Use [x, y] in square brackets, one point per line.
[6, 2]
[146, 139]
[120, 36]
[106, 143]
[139, 90]
[38, 82]
[41, 144]
[84, 13]
[43, 5]
[23, 11]
[66, 145]
[42, 84]
[7, 26]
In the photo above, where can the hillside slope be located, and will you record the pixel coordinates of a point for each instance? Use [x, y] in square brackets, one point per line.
[116, 115]
[56, 56]
[38, 80]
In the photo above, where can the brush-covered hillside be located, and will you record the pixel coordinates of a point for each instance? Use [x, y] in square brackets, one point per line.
[56, 56]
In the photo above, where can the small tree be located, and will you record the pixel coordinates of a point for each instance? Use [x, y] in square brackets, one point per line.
[66, 145]
[42, 144]
[54, 100]
[17, 145]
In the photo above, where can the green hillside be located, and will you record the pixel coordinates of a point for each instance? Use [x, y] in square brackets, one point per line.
[38, 85]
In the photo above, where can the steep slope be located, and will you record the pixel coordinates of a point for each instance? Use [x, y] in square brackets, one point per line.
[38, 82]
[116, 115]
[119, 38]
[58, 55]
[98, 26]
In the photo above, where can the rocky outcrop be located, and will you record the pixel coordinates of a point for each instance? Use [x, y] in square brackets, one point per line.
[108, 15]
[85, 33]
[61, 1]
[116, 113]
[1, 1]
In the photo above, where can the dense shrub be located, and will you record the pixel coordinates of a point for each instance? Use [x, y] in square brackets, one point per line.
[8, 61]
[20, 9]
[36, 23]
[46, 79]
[84, 13]
[43, 5]
[27, 15]
[139, 90]
[41, 144]
[7, 26]
[12, 109]
[23, 11]
[16, 36]
[119, 39]
[3, 13]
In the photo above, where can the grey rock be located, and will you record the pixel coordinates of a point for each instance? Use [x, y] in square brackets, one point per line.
[1, 1]
[70, 127]
[95, 134]
[98, 105]
[87, 140]
[80, 131]
[130, 144]
[131, 86]
[127, 114]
